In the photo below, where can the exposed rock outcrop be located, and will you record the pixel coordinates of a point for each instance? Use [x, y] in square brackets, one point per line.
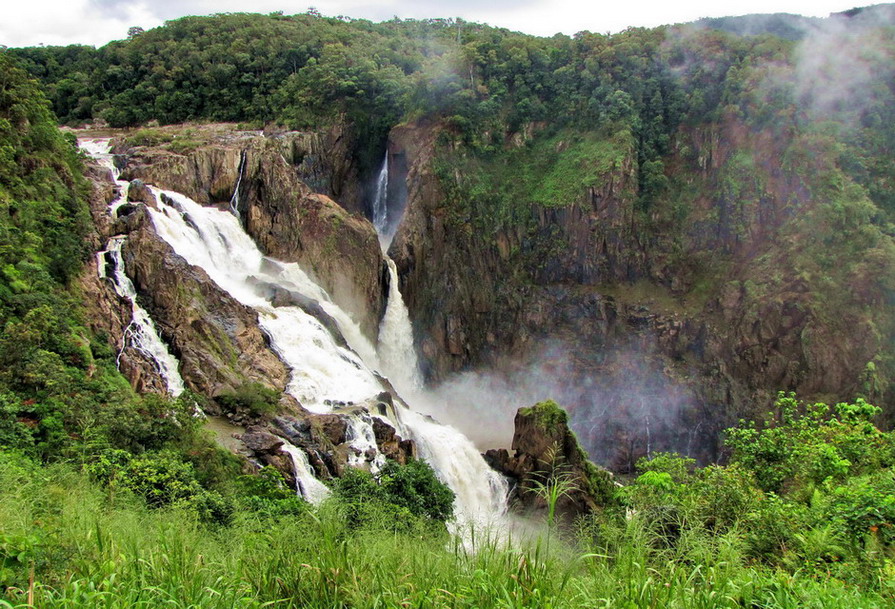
[106, 313]
[547, 456]
[217, 339]
[671, 324]
[287, 217]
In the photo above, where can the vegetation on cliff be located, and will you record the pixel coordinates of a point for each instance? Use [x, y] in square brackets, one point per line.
[113, 498]
[696, 160]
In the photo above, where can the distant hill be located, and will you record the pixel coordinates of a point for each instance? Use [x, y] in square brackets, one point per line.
[796, 27]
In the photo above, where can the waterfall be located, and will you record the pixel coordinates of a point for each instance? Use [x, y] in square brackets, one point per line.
[325, 375]
[234, 200]
[322, 372]
[99, 150]
[309, 487]
[396, 350]
[380, 198]
[140, 333]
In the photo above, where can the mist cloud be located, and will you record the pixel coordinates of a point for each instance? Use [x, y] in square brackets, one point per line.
[622, 402]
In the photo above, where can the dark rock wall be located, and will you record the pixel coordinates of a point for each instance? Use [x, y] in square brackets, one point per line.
[646, 344]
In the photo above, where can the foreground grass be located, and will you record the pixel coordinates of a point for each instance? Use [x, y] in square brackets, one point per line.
[87, 548]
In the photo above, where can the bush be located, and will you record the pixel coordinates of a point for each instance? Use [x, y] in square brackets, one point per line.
[416, 487]
[254, 398]
[267, 494]
[403, 492]
[161, 478]
[722, 496]
[864, 509]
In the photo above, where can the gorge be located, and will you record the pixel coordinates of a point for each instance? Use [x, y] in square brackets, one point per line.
[308, 311]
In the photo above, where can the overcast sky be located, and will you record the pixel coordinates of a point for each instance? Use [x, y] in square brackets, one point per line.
[96, 22]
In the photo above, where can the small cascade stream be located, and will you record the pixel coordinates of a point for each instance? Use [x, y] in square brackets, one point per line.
[380, 198]
[310, 487]
[326, 376]
[436, 443]
[141, 333]
[234, 200]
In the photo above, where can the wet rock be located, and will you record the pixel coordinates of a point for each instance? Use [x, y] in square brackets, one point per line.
[283, 214]
[333, 426]
[138, 191]
[547, 452]
[129, 218]
[390, 443]
[217, 339]
[260, 441]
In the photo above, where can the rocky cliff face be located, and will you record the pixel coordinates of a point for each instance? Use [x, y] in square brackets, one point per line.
[217, 340]
[672, 321]
[283, 213]
[548, 463]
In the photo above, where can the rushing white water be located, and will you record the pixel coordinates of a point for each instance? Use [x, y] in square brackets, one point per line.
[309, 487]
[396, 351]
[323, 373]
[99, 150]
[481, 492]
[380, 198]
[214, 241]
[234, 200]
[363, 441]
[140, 333]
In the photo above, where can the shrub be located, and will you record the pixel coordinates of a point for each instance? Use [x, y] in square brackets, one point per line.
[416, 487]
[254, 398]
[404, 492]
[865, 509]
[161, 478]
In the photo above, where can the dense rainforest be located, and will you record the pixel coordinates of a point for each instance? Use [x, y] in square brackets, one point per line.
[697, 218]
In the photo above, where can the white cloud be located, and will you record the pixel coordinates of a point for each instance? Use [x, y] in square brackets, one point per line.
[96, 22]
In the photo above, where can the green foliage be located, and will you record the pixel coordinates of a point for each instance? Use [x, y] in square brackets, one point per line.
[676, 467]
[148, 137]
[810, 444]
[267, 495]
[548, 414]
[87, 552]
[252, 397]
[398, 493]
[812, 490]
[161, 478]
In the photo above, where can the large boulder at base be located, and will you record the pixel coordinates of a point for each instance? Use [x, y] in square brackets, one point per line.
[547, 453]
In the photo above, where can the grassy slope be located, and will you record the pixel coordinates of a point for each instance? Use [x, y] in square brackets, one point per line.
[93, 548]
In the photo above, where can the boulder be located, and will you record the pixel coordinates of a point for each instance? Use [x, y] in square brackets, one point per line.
[138, 191]
[547, 453]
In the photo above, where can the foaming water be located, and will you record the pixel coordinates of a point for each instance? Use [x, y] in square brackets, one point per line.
[324, 373]
[141, 333]
[396, 350]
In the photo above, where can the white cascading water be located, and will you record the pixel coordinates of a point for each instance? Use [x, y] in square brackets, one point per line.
[323, 373]
[380, 198]
[234, 200]
[310, 487]
[141, 333]
[436, 443]
[396, 351]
